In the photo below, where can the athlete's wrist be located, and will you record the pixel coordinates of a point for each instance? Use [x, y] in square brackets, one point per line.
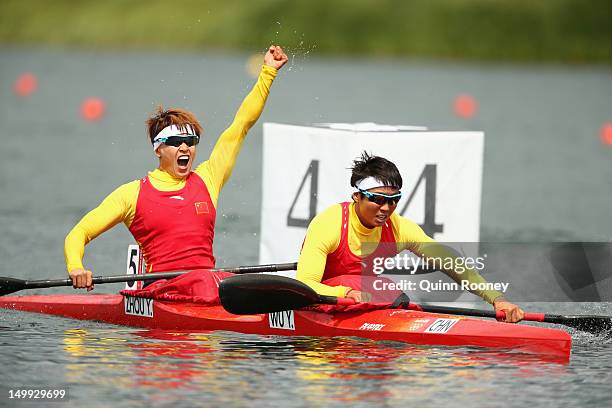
[268, 69]
[499, 298]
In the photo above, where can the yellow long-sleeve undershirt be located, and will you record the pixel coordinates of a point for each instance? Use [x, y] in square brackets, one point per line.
[120, 205]
[323, 238]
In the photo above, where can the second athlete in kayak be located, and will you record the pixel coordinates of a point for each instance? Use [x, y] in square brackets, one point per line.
[342, 240]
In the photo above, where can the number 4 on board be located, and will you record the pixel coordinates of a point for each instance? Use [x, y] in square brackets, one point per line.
[428, 175]
[313, 172]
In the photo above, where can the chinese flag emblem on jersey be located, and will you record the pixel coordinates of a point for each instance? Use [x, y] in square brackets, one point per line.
[201, 207]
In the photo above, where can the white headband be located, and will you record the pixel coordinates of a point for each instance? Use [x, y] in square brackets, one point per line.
[172, 130]
[368, 183]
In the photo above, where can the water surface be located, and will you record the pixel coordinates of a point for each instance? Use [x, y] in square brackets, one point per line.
[546, 177]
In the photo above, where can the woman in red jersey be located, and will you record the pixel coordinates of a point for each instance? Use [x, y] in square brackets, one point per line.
[171, 211]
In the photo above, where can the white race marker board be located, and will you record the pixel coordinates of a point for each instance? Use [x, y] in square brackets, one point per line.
[306, 169]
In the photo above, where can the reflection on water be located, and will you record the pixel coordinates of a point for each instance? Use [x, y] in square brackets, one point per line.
[155, 365]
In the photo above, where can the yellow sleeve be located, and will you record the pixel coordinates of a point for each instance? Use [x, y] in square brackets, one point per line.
[322, 238]
[412, 237]
[118, 206]
[217, 169]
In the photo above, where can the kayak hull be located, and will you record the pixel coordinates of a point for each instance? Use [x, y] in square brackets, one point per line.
[408, 326]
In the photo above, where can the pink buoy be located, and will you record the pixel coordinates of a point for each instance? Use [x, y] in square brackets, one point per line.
[465, 106]
[93, 109]
[606, 134]
[25, 85]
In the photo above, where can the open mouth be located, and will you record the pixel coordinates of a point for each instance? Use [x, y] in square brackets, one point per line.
[381, 218]
[183, 160]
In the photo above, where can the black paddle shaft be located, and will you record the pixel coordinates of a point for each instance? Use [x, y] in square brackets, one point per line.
[10, 285]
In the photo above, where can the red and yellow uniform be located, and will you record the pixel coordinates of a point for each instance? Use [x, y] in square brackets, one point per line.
[131, 202]
[175, 229]
[336, 239]
[344, 262]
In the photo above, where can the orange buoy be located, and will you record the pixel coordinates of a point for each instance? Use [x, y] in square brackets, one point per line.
[25, 84]
[93, 109]
[465, 106]
[606, 134]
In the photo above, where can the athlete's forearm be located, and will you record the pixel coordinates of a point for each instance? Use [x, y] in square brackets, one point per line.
[413, 238]
[252, 106]
[441, 255]
[473, 277]
[218, 168]
[74, 248]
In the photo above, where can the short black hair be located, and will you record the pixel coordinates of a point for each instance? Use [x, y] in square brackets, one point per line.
[378, 167]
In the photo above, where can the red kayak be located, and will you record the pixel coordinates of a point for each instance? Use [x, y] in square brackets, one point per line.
[408, 326]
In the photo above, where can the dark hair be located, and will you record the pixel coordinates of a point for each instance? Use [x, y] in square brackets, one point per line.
[377, 167]
[162, 118]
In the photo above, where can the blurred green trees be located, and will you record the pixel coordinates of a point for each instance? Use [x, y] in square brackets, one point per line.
[573, 31]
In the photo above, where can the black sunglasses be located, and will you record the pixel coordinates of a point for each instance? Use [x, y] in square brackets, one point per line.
[176, 141]
[381, 199]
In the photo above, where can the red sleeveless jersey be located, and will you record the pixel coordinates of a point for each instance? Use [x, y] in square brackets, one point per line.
[175, 229]
[344, 262]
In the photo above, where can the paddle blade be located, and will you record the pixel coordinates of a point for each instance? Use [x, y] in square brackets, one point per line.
[591, 324]
[10, 285]
[253, 294]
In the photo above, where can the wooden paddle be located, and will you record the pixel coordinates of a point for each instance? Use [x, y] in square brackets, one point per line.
[10, 285]
[268, 293]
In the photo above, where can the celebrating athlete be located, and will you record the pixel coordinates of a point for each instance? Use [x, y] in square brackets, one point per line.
[171, 211]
